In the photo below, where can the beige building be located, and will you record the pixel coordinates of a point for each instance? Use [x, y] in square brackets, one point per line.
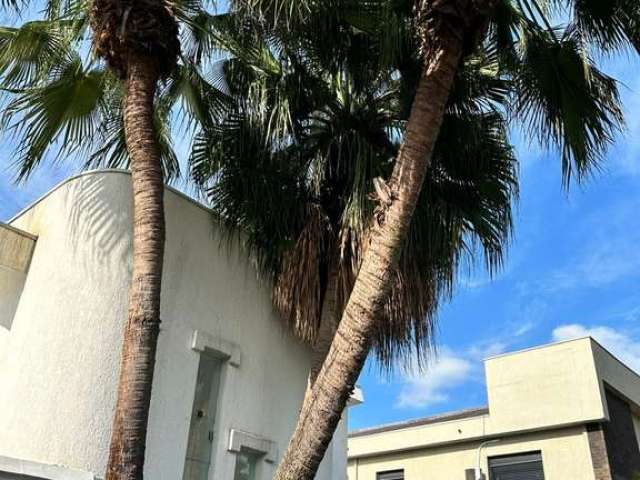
[566, 411]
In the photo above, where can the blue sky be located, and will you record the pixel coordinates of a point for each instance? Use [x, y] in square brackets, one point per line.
[573, 269]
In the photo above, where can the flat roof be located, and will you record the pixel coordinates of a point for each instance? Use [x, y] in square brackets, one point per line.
[418, 422]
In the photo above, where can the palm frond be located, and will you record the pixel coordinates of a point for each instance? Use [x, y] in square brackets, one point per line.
[611, 25]
[563, 98]
[63, 113]
[110, 136]
[28, 53]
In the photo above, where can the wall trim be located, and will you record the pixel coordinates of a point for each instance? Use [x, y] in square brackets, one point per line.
[239, 439]
[42, 470]
[203, 341]
[471, 440]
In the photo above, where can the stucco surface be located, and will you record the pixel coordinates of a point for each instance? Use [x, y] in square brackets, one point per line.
[555, 385]
[617, 375]
[539, 399]
[565, 455]
[549, 387]
[60, 371]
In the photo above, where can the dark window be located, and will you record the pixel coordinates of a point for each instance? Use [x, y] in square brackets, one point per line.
[620, 437]
[527, 466]
[390, 475]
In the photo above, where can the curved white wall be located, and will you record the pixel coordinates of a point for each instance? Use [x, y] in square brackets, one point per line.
[58, 379]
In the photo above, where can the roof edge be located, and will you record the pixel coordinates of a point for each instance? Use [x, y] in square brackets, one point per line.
[537, 347]
[469, 440]
[72, 178]
[419, 422]
[18, 231]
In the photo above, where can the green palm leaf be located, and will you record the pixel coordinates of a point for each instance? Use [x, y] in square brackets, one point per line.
[563, 98]
[64, 113]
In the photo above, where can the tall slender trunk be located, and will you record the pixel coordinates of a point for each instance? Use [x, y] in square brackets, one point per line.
[328, 325]
[126, 455]
[352, 341]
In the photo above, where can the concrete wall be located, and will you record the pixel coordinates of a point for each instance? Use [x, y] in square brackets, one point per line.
[565, 455]
[16, 248]
[58, 380]
[419, 436]
[616, 375]
[541, 382]
[555, 385]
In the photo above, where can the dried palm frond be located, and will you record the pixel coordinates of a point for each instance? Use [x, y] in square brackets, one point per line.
[297, 292]
[125, 27]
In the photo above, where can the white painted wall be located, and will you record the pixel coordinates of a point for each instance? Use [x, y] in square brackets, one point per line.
[58, 380]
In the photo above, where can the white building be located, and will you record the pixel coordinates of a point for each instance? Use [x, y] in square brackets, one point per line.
[229, 380]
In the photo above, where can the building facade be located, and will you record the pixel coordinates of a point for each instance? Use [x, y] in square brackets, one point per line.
[229, 380]
[566, 411]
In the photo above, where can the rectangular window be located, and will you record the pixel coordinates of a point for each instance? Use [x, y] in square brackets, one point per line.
[390, 475]
[526, 466]
[203, 417]
[246, 465]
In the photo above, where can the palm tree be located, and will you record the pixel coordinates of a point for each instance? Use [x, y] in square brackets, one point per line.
[110, 110]
[340, 132]
[556, 92]
[291, 167]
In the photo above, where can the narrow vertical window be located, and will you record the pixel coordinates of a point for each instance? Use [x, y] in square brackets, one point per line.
[203, 417]
[246, 465]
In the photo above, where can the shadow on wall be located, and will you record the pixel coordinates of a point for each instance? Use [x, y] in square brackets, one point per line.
[99, 223]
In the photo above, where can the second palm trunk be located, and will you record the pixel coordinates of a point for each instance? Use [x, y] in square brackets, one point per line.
[352, 342]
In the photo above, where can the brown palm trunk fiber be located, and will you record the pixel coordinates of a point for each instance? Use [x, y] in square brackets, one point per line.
[126, 455]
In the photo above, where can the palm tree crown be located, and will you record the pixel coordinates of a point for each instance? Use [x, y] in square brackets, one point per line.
[313, 123]
[60, 100]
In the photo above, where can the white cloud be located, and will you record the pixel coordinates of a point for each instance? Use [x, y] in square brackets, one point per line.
[524, 328]
[618, 343]
[483, 350]
[427, 387]
[602, 265]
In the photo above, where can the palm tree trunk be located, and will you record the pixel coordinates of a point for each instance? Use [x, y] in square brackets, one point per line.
[328, 325]
[126, 456]
[352, 341]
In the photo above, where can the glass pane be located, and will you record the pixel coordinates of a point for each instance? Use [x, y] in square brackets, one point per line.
[245, 466]
[203, 416]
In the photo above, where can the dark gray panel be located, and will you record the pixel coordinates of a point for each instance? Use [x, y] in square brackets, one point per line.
[390, 475]
[620, 437]
[517, 467]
